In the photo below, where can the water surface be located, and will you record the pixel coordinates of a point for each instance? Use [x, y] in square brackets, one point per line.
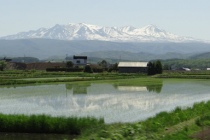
[116, 101]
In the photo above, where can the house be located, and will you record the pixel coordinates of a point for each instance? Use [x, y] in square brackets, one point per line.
[6, 60]
[132, 67]
[80, 61]
[186, 69]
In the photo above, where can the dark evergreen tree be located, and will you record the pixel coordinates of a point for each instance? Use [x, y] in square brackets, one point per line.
[150, 67]
[158, 67]
[154, 68]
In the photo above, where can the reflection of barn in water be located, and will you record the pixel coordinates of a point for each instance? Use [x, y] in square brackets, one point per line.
[131, 88]
[140, 87]
[78, 88]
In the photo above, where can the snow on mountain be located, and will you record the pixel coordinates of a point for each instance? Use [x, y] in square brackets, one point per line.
[82, 31]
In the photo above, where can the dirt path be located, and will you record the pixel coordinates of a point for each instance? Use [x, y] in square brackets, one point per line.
[51, 78]
[180, 126]
[203, 135]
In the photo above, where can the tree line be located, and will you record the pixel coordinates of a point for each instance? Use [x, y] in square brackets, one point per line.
[155, 68]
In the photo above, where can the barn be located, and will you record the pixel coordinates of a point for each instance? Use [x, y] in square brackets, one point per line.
[132, 67]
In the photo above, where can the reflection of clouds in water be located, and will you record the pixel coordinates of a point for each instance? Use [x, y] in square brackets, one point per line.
[129, 104]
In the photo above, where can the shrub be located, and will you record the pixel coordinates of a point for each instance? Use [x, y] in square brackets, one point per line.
[88, 69]
[2, 65]
[64, 69]
[69, 64]
[98, 70]
[46, 124]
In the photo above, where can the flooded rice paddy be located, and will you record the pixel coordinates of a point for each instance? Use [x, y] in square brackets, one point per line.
[116, 101]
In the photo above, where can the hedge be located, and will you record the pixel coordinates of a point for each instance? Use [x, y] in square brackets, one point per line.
[65, 69]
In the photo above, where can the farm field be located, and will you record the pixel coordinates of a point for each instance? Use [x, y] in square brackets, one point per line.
[123, 101]
[127, 101]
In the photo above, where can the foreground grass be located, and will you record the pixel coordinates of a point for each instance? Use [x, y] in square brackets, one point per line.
[46, 124]
[156, 128]
[179, 124]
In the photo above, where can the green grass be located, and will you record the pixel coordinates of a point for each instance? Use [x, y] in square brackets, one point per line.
[46, 124]
[155, 127]
[185, 74]
[22, 77]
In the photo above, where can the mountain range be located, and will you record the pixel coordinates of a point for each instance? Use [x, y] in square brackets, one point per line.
[44, 48]
[83, 31]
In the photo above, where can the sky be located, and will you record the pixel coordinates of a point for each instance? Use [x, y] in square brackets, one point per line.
[188, 18]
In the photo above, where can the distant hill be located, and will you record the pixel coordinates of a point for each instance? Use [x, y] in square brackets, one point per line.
[205, 55]
[95, 60]
[44, 48]
[142, 56]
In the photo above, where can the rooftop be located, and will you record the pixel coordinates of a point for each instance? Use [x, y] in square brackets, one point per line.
[132, 64]
[80, 57]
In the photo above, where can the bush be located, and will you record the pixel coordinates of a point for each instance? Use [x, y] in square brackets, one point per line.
[2, 65]
[113, 69]
[98, 70]
[69, 64]
[46, 124]
[65, 69]
[88, 69]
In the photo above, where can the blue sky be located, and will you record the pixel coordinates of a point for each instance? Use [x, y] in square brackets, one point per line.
[182, 17]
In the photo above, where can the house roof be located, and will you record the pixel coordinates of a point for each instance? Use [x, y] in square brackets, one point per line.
[6, 60]
[132, 64]
[80, 57]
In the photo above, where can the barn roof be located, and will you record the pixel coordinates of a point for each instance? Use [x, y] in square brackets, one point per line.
[132, 64]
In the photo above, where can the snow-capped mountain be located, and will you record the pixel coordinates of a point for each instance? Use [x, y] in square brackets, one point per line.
[82, 31]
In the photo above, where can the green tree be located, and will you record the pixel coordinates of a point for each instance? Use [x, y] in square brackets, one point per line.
[158, 67]
[3, 65]
[69, 64]
[151, 68]
[115, 66]
[103, 63]
[88, 69]
[166, 67]
[154, 68]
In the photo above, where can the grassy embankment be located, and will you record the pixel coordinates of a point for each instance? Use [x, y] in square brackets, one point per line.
[22, 77]
[152, 128]
[185, 74]
[46, 124]
[161, 127]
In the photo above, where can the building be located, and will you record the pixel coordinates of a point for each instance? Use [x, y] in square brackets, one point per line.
[132, 67]
[6, 60]
[80, 61]
[186, 69]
